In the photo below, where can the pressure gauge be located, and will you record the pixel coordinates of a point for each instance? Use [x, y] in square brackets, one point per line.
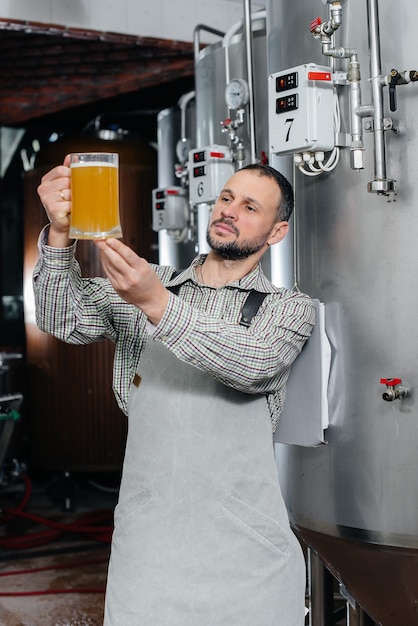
[236, 93]
[183, 147]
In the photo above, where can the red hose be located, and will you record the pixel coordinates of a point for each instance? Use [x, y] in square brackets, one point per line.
[85, 524]
[47, 592]
[48, 568]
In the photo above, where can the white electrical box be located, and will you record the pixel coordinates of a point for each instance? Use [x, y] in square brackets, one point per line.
[209, 169]
[170, 208]
[301, 110]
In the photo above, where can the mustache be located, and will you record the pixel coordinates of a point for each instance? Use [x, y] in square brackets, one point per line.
[228, 223]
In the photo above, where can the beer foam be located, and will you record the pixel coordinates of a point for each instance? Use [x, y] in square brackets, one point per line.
[93, 164]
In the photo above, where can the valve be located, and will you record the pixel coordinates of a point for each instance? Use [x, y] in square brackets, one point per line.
[264, 159]
[235, 143]
[315, 26]
[394, 389]
[396, 78]
[230, 126]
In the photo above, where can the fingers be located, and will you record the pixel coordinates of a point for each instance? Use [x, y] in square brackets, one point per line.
[118, 252]
[56, 184]
[55, 195]
[122, 276]
[133, 279]
[60, 171]
[122, 265]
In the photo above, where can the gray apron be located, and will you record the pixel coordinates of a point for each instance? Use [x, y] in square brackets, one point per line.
[201, 534]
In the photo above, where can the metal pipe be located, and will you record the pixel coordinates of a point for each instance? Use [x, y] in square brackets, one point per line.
[377, 94]
[196, 38]
[183, 103]
[226, 43]
[337, 53]
[249, 55]
[380, 184]
[230, 33]
[357, 147]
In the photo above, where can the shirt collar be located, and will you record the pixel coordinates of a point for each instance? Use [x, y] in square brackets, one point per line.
[255, 280]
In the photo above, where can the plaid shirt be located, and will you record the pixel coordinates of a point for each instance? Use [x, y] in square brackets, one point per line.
[200, 324]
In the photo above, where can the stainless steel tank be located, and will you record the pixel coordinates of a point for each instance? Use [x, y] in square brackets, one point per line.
[216, 65]
[169, 130]
[355, 499]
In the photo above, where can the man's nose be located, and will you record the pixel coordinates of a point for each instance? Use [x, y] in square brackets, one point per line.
[230, 210]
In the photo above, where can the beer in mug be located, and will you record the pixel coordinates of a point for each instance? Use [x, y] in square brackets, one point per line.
[94, 195]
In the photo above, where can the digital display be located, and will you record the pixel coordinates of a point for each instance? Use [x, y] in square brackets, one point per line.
[198, 157]
[286, 82]
[159, 194]
[288, 103]
[199, 171]
[159, 206]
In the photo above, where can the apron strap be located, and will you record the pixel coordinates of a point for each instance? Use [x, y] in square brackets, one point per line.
[174, 288]
[250, 307]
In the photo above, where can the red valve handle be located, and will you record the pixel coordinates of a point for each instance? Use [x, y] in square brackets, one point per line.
[391, 382]
[314, 24]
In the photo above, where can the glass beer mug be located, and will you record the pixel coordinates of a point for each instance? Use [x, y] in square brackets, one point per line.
[94, 195]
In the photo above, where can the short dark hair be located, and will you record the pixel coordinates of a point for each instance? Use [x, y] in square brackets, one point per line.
[285, 208]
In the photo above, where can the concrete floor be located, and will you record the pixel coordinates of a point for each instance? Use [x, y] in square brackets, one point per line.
[75, 571]
[60, 581]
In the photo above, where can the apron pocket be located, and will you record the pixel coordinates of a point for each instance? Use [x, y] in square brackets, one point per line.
[131, 505]
[257, 524]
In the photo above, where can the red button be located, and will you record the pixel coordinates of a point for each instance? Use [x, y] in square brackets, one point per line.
[319, 76]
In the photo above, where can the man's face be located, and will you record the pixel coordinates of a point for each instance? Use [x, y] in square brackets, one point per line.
[243, 220]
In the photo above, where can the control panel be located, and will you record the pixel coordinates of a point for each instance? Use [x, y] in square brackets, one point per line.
[209, 169]
[169, 208]
[301, 110]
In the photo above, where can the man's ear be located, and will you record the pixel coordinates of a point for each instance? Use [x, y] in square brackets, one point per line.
[279, 231]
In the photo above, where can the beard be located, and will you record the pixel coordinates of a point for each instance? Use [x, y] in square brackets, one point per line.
[234, 251]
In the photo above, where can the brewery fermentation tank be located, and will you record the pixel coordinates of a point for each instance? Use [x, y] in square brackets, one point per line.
[355, 499]
[170, 132]
[216, 66]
